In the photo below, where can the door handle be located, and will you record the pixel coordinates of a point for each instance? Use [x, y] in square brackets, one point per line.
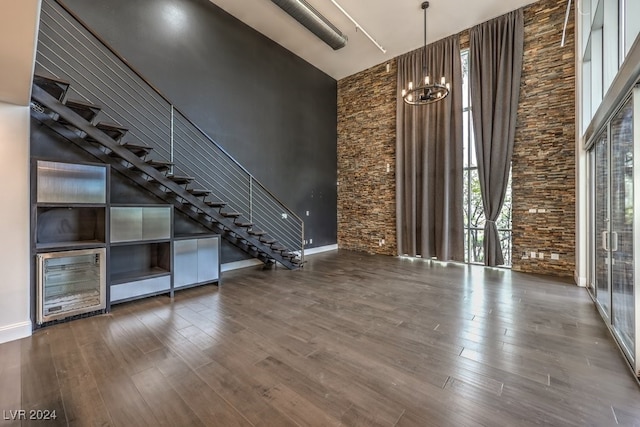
[614, 241]
[604, 236]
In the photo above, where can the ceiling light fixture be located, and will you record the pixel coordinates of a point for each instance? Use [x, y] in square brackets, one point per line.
[426, 92]
[359, 27]
[308, 16]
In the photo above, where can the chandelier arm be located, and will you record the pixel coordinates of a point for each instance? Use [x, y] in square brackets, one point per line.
[425, 92]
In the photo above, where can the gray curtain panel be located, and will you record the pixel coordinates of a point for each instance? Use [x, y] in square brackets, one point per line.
[496, 51]
[429, 158]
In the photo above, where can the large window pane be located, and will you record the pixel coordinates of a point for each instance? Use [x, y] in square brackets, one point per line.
[465, 138]
[505, 244]
[465, 79]
[474, 219]
[476, 246]
[476, 210]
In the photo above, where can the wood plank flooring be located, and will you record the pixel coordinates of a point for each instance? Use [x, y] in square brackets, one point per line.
[351, 339]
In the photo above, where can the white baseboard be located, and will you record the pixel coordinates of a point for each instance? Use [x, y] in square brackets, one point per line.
[15, 331]
[580, 281]
[236, 265]
[320, 249]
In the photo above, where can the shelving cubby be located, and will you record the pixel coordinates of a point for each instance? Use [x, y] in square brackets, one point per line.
[140, 263]
[70, 210]
[69, 238]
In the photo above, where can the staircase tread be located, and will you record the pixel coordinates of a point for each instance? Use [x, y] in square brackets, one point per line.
[109, 125]
[178, 179]
[230, 214]
[159, 164]
[216, 204]
[137, 149]
[113, 130]
[268, 241]
[84, 109]
[181, 179]
[244, 224]
[52, 85]
[257, 232]
[80, 103]
[134, 145]
[53, 79]
[199, 191]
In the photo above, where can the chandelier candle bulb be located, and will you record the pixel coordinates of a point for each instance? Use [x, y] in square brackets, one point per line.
[427, 92]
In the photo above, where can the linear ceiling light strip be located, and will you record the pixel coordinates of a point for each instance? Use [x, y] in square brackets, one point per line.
[359, 27]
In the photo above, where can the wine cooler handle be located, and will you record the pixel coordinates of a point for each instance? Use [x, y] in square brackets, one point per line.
[605, 235]
[614, 241]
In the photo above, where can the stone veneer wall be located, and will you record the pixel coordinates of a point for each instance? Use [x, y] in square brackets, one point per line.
[543, 164]
[543, 160]
[366, 145]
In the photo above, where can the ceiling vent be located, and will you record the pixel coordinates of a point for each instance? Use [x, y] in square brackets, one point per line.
[305, 14]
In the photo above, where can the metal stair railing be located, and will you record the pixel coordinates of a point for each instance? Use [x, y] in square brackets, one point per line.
[68, 49]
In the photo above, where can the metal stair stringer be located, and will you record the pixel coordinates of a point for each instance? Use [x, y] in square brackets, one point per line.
[138, 170]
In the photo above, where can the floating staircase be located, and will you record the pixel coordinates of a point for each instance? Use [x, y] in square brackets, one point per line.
[74, 120]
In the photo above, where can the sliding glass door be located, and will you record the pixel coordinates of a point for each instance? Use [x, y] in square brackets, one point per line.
[602, 272]
[621, 229]
[615, 227]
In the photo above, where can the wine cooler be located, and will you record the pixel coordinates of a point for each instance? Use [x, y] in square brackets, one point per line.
[70, 283]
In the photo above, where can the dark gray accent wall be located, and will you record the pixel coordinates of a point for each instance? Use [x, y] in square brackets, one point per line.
[271, 110]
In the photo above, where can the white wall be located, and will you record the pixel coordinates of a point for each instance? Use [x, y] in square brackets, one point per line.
[14, 223]
[18, 32]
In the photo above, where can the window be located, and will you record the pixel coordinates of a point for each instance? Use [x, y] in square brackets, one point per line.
[474, 219]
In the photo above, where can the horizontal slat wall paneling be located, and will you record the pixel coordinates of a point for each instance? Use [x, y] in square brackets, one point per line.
[211, 167]
[267, 214]
[70, 52]
[232, 184]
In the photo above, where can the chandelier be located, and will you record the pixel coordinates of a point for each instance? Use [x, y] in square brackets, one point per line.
[427, 91]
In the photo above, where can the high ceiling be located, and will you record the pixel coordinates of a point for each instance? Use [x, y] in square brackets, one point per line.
[396, 24]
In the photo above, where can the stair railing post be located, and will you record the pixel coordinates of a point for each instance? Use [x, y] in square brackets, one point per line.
[171, 142]
[302, 244]
[250, 198]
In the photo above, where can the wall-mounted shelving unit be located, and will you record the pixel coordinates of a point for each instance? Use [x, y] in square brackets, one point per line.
[69, 218]
[132, 246]
[140, 245]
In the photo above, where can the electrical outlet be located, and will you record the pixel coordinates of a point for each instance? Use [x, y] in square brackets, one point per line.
[541, 255]
[388, 168]
[311, 241]
[555, 257]
[532, 210]
[542, 211]
[307, 213]
[533, 254]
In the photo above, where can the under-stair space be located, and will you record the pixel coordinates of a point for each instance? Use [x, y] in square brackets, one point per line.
[76, 121]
